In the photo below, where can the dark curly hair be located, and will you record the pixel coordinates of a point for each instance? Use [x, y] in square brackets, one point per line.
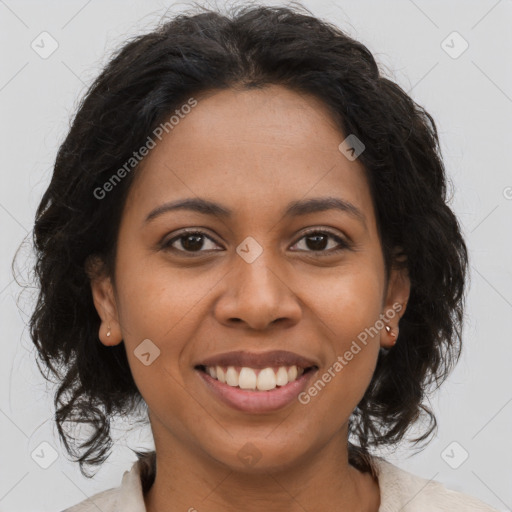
[249, 47]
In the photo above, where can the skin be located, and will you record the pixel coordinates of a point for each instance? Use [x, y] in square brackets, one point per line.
[252, 152]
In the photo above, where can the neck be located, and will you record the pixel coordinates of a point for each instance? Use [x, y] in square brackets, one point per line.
[192, 481]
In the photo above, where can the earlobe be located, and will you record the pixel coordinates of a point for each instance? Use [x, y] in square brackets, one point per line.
[390, 333]
[104, 302]
[398, 292]
[108, 335]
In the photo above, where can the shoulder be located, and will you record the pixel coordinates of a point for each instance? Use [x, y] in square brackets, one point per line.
[106, 501]
[401, 490]
[128, 497]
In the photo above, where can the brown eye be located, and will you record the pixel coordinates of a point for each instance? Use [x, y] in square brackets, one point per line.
[191, 241]
[318, 241]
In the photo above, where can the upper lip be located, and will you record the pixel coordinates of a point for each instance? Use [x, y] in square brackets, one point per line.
[258, 360]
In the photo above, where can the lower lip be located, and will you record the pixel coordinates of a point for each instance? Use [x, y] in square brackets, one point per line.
[257, 401]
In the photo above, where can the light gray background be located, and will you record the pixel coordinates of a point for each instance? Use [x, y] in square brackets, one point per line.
[470, 98]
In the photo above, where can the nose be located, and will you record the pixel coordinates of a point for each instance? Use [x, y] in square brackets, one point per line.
[258, 295]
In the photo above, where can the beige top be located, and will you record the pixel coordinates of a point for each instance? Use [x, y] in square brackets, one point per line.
[399, 491]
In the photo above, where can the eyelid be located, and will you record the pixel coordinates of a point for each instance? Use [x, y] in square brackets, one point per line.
[320, 229]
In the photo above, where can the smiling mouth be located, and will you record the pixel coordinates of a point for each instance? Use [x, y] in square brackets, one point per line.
[255, 379]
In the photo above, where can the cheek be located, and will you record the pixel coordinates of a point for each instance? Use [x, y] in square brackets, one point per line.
[157, 305]
[346, 307]
[348, 299]
[154, 298]
[164, 306]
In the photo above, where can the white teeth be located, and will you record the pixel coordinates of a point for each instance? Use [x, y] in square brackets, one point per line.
[248, 378]
[292, 373]
[232, 376]
[282, 376]
[266, 379]
[221, 376]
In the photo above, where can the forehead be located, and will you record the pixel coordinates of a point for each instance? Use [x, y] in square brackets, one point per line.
[259, 147]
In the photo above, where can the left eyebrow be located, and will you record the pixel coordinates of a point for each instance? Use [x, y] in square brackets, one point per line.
[293, 209]
[321, 204]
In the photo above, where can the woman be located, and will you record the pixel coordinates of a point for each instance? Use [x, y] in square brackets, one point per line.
[247, 232]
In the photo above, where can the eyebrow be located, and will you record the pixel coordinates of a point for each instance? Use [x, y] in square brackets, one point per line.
[293, 209]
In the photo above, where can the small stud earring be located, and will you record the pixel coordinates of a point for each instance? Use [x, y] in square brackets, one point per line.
[390, 331]
[108, 332]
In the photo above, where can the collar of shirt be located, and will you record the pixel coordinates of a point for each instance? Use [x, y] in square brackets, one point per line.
[397, 487]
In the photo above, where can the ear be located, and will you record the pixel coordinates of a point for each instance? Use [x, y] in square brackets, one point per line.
[395, 302]
[104, 301]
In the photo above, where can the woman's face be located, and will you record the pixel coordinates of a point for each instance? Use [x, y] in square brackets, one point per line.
[252, 281]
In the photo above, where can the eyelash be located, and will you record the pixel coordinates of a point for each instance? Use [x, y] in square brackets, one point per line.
[343, 244]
